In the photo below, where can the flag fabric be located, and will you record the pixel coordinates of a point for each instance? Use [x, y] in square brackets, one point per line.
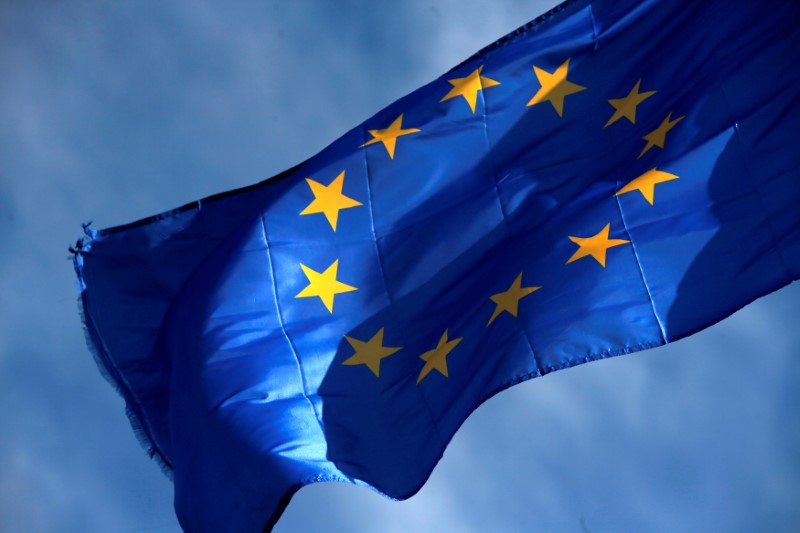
[612, 176]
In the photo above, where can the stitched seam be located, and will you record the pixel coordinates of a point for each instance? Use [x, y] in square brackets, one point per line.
[485, 123]
[639, 267]
[641, 270]
[283, 327]
[594, 27]
[386, 286]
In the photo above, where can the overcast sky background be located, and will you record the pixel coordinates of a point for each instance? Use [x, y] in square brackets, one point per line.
[112, 111]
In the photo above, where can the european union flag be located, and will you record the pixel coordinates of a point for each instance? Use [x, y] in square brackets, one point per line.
[610, 177]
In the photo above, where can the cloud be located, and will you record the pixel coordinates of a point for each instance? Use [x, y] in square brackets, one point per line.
[120, 111]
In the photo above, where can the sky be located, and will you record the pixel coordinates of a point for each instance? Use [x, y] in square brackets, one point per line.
[113, 111]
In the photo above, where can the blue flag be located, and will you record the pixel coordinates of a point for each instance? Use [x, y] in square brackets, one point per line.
[610, 177]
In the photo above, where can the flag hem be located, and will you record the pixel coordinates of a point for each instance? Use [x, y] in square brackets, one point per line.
[105, 363]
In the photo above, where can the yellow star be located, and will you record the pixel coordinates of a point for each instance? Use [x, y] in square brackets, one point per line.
[509, 300]
[329, 199]
[658, 136]
[389, 135]
[626, 107]
[595, 246]
[324, 284]
[554, 87]
[468, 87]
[646, 183]
[437, 358]
[370, 353]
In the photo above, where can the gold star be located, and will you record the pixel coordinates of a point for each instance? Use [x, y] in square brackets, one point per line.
[658, 136]
[646, 183]
[324, 284]
[329, 199]
[626, 107]
[509, 300]
[595, 246]
[389, 135]
[468, 87]
[370, 353]
[437, 358]
[554, 87]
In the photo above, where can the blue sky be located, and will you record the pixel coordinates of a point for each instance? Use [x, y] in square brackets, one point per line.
[114, 111]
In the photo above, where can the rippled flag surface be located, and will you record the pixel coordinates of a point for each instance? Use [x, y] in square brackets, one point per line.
[610, 177]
